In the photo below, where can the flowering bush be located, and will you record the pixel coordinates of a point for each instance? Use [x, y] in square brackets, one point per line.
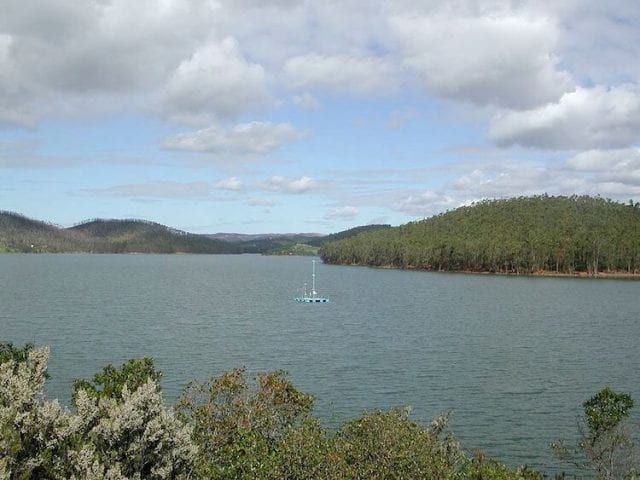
[128, 435]
[227, 428]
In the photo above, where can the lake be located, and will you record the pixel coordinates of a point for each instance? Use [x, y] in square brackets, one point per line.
[512, 358]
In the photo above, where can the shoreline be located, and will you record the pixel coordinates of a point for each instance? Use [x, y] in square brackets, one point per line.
[541, 273]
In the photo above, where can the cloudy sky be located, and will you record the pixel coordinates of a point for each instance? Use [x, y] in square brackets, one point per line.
[312, 116]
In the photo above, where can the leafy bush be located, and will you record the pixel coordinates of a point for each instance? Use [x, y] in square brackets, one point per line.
[605, 448]
[116, 434]
[226, 428]
[239, 426]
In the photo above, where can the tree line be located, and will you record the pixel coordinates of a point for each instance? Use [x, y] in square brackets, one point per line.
[521, 235]
[232, 428]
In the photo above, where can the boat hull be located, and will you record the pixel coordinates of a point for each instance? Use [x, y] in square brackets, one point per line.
[312, 300]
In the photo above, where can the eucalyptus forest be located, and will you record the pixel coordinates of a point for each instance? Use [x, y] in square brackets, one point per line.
[525, 235]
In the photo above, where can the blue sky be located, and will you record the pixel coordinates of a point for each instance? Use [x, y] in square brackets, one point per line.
[312, 116]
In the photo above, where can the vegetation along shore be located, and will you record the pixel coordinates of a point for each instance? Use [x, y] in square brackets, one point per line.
[542, 235]
[232, 428]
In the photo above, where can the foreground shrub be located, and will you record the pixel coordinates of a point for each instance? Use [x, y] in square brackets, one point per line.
[239, 426]
[229, 428]
[34, 434]
[483, 468]
[387, 445]
[125, 434]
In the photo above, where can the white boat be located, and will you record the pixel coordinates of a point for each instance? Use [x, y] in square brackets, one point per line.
[311, 297]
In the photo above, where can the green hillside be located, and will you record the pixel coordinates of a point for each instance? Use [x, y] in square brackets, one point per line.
[319, 241]
[521, 236]
[140, 236]
[21, 234]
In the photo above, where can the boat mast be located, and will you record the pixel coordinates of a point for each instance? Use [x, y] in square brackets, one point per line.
[313, 279]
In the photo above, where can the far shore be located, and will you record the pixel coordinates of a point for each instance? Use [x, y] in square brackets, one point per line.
[540, 273]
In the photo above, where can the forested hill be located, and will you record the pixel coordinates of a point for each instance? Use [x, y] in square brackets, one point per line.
[521, 235]
[347, 233]
[141, 236]
[21, 234]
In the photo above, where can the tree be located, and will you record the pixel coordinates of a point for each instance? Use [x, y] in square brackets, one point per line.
[605, 446]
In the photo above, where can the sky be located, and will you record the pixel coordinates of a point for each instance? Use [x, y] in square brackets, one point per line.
[258, 116]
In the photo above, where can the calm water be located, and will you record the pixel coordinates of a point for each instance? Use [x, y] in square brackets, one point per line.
[512, 358]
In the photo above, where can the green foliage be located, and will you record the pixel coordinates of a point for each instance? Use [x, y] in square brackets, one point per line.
[387, 445]
[606, 446]
[519, 236]
[231, 428]
[239, 426]
[605, 410]
[9, 352]
[483, 468]
[352, 232]
[111, 381]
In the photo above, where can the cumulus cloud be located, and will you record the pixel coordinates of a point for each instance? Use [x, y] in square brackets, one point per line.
[424, 204]
[246, 138]
[587, 118]
[346, 212]
[232, 184]
[621, 166]
[341, 73]
[70, 58]
[215, 82]
[290, 185]
[506, 59]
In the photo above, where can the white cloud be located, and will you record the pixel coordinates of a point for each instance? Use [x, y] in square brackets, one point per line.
[620, 166]
[346, 212]
[425, 204]
[75, 58]
[232, 184]
[247, 138]
[306, 101]
[505, 58]
[215, 82]
[290, 185]
[261, 202]
[587, 118]
[342, 73]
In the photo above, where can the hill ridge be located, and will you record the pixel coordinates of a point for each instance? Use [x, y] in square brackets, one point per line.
[522, 235]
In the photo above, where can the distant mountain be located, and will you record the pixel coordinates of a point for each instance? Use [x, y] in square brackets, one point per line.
[271, 243]
[352, 232]
[141, 236]
[21, 234]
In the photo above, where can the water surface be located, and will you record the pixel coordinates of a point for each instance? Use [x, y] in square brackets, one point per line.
[512, 358]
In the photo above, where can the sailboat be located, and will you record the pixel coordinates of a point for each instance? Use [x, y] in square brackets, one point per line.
[313, 296]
